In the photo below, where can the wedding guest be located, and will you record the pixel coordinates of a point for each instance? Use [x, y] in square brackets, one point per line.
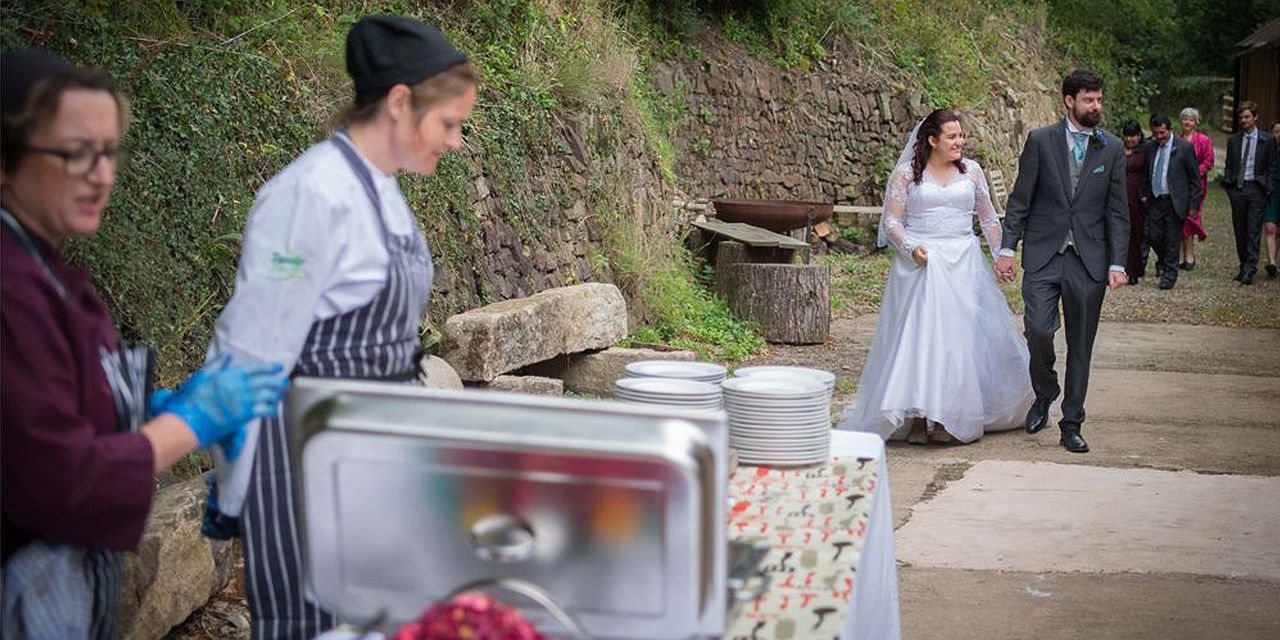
[1248, 180]
[78, 450]
[1193, 228]
[1134, 172]
[1271, 216]
[1170, 192]
[335, 263]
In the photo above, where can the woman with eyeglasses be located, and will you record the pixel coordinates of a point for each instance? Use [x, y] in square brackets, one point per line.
[81, 435]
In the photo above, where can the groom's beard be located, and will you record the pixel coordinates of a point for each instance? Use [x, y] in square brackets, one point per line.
[1089, 119]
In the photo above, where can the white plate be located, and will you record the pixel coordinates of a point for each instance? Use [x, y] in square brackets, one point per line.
[668, 386]
[827, 378]
[676, 369]
[765, 386]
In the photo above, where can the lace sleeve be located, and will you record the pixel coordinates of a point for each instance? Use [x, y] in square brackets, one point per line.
[988, 219]
[895, 210]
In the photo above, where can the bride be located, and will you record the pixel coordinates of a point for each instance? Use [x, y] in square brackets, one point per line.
[946, 357]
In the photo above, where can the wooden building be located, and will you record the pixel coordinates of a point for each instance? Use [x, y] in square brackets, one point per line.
[1257, 74]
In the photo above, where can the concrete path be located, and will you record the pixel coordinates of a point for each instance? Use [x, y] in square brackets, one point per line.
[1169, 528]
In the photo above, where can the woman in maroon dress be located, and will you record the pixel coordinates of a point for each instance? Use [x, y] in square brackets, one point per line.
[1193, 228]
[1134, 173]
[80, 442]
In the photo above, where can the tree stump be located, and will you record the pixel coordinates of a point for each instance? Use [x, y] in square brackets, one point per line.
[789, 302]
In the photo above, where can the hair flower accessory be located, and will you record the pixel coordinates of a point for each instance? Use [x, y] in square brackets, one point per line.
[473, 615]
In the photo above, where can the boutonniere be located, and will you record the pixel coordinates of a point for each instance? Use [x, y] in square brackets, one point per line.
[1097, 140]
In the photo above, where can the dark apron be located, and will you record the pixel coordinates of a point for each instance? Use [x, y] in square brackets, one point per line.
[59, 591]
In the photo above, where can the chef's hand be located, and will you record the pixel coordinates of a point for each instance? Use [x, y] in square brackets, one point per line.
[220, 398]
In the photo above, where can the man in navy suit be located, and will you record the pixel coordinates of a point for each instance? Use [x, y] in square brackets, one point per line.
[1248, 178]
[1170, 191]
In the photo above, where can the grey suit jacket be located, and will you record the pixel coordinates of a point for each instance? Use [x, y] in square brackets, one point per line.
[1042, 206]
[1183, 174]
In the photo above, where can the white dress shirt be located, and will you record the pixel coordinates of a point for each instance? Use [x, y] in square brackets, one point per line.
[1249, 142]
[1161, 181]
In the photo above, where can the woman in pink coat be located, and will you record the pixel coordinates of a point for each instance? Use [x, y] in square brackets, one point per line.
[1192, 229]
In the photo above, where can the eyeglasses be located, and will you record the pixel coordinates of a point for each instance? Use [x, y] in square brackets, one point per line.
[81, 162]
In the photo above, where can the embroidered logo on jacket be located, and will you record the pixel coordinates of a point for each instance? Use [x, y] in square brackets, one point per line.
[286, 266]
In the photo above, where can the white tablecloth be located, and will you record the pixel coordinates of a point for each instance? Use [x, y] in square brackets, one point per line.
[874, 611]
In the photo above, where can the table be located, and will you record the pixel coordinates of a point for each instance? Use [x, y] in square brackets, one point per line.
[832, 566]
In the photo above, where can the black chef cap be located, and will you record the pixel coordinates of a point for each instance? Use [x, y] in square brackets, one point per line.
[383, 51]
[21, 69]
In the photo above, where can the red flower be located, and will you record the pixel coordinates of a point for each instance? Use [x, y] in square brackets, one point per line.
[470, 616]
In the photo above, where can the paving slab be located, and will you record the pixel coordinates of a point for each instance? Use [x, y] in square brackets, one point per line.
[1162, 397]
[1184, 347]
[955, 604]
[1037, 516]
[1207, 448]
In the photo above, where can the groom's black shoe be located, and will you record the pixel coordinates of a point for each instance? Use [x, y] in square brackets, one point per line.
[1073, 442]
[1038, 415]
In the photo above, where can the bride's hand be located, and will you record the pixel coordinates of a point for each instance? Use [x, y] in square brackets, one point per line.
[920, 255]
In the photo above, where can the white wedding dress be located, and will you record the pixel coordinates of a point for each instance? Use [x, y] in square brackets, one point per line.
[945, 346]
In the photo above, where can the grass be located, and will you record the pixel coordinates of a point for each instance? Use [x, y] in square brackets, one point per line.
[1206, 296]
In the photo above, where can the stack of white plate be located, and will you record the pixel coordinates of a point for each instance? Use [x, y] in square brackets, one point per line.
[778, 420]
[827, 378]
[684, 369]
[670, 392]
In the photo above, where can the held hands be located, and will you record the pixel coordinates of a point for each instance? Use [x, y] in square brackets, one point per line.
[220, 398]
[1006, 270]
[920, 255]
[1117, 279]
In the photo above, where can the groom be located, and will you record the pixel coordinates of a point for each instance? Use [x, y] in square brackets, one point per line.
[1069, 208]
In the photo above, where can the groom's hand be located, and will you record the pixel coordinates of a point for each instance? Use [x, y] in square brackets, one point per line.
[1117, 279]
[1005, 268]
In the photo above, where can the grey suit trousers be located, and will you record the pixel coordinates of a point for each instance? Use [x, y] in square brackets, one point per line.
[1063, 280]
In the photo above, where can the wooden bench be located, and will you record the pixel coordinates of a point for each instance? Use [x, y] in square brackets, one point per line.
[757, 277]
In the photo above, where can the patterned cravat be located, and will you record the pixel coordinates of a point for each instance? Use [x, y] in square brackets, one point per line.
[1079, 141]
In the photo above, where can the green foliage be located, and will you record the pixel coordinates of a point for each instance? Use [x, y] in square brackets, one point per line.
[211, 123]
[794, 33]
[686, 315]
[1142, 48]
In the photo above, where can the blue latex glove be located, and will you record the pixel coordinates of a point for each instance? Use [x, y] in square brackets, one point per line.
[231, 445]
[220, 398]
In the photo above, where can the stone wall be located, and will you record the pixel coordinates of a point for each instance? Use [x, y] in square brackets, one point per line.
[542, 224]
[757, 131]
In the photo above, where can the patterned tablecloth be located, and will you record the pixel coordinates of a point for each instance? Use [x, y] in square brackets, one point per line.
[815, 521]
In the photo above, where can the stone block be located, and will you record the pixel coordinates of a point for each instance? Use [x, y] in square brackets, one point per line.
[175, 570]
[437, 374]
[484, 343]
[593, 373]
[533, 385]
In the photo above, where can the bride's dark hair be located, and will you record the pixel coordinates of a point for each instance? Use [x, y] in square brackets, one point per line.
[931, 126]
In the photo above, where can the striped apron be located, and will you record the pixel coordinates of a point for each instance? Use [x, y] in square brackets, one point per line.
[378, 341]
[53, 590]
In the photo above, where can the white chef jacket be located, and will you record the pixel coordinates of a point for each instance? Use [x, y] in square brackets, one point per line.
[313, 249]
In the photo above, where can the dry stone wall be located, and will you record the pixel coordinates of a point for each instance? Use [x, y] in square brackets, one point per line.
[757, 131]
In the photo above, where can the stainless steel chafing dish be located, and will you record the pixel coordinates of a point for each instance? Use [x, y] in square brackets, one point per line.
[618, 511]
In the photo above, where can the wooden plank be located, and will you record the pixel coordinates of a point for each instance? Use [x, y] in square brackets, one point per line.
[855, 208]
[750, 235]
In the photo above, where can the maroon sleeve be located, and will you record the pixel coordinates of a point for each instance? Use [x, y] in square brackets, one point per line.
[66, 474]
